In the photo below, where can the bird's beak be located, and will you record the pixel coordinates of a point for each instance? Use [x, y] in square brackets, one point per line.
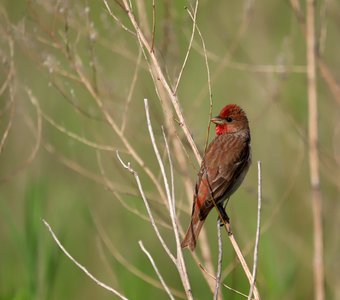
[217, 120]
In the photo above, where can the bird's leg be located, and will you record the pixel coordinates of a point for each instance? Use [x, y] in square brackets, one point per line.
[224, 218]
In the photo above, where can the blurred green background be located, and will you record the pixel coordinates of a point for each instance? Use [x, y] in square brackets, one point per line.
[257, 57]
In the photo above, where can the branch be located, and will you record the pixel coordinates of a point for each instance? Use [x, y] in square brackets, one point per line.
[84, 80]
[318, 265]
[224, 285]
[208, 78]
[81, 267]
[106, 240]
[22, 165]
[219, 260]
[235, 245]
[325, 72]
[171, 206]
[189, 47]
[161, 77]
[116, 18]
[156, 270]
[10, 122]
[146, 203]
[258, 225]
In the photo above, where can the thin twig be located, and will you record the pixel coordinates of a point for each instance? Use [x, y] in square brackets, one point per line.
[131, 90]
[161, 77]
[224, 285]
[189, 48]
[117, 130]
[244, 264]
[10, 73]
[117, 195]
[116, 18]
[247, 67]
[258, 226]
[124, 261]
[235, 245]
[158, 156]
[73, 135]
[208, 78]
[156, 270]
[72, 100]
[153, 25]
[22, 165]
[325, 72]
[219, 260]
[92, 42]
[146, 203]
[10, 122]
[318, 264]
[240, 32]
[171, 169]
[80, 266]
[171, 205]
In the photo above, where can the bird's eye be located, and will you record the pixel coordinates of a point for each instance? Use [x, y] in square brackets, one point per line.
[229, 119]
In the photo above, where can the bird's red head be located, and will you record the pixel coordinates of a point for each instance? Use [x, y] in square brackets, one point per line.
[231, 119]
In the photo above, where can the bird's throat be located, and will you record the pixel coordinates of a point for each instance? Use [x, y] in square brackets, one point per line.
[221, 129]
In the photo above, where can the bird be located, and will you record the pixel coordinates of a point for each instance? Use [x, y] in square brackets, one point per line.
[225, 164]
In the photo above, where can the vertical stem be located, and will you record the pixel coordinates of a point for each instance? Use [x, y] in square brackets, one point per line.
[219, 261]
[318, 265]
[258, 227]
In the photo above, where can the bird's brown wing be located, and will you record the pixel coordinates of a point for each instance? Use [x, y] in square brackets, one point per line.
[223, 168]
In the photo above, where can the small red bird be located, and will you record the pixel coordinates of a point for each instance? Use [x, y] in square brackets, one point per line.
[223, 169]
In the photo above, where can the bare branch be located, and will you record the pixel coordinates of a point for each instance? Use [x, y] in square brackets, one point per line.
[36, 146]
[160, 75]
[235, 245]
[171, 171]
[208, 78]
[116, 18]
[243, 263]
[161, 165]
[117, 195]
[10, 122]
[219, 261]
[127, 264]
[153, 24]
[171, 205]
[116, 129]
[156, 270]
[131, 90]
[80, 266]
[258, 225]
[10, 73]
[224, 285]
[146, 203]
[318, 264]
[73, 135]
[325, 72]
[189, 47]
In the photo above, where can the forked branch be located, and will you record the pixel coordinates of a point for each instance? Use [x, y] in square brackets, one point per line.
[80, 266]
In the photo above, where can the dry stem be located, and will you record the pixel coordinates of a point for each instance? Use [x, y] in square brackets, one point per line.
[219, 261]
[258, 225]
[156, 270]
[318, 265]
[80, 266]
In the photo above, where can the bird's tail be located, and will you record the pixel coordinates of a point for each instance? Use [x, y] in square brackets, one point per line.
[193, 231]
